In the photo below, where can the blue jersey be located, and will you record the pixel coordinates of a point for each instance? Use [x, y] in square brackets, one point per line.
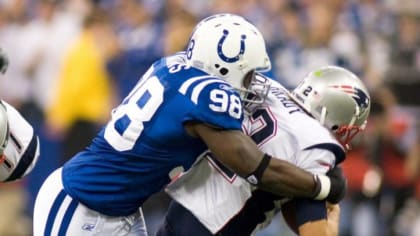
[132, 156]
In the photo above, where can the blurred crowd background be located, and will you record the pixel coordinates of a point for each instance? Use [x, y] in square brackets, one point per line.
[71, 61]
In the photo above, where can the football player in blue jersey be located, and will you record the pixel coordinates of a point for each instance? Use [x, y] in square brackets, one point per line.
[310, 127]
[182, 106]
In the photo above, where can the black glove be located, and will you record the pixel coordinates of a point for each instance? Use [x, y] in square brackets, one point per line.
[338, 185]
[4, 62]
[330, 187]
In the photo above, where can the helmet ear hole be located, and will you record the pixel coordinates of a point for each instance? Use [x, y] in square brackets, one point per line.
[334, 127]
[223, 71]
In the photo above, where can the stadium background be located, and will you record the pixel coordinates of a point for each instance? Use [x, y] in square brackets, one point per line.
[71, 61]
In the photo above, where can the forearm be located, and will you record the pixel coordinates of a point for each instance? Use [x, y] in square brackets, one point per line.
[319, 227]
[323, 227]
[285, 179]
[327, 227]
[238, 152]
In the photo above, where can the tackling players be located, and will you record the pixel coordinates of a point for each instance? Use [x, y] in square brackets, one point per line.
[310, 127]
[182, 106]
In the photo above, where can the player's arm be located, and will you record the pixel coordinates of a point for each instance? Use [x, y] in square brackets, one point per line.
[327, 227]
[307, 217]
[241, 154]
[318, 224]
[319, 227]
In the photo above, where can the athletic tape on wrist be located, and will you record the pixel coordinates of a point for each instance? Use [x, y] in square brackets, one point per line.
[325, 187]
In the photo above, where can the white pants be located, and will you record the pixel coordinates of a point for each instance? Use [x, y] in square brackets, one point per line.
[56, 213]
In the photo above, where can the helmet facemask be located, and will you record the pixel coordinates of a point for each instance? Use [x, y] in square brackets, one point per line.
[346, 132]
[254, 91]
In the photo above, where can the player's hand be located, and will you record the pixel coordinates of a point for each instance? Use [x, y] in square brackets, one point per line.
[4, 62]
[338, 185]
[331, 187]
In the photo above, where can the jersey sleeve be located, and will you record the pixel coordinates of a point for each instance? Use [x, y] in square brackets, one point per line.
[317, 160]
[308, 210]
[213, 102]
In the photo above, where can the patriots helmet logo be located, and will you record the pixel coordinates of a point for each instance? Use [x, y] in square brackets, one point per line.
[361, 98]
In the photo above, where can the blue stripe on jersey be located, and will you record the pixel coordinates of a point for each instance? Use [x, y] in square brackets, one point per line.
[53, 212]
[26, 160]
[309, 210]
[67, 217]
[338, 152]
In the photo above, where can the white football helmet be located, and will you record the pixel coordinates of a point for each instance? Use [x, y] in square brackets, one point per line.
[230, 47]
[337, 98]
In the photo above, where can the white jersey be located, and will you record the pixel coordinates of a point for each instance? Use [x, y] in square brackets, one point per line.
[214, 195]
[22, 149]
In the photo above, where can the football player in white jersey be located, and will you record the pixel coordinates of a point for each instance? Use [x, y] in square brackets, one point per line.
[182, 106]
[19, 145]
[311, 127]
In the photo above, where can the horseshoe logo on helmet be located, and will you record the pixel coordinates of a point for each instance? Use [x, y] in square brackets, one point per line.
[220, 50]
